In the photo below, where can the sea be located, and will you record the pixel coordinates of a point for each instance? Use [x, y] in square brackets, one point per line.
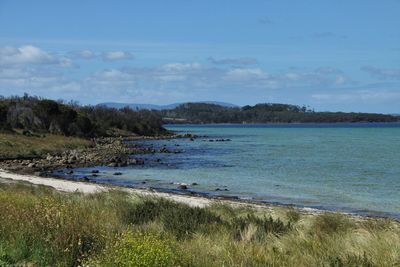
[347, 167]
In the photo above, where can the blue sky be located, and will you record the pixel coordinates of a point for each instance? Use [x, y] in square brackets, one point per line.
[329, 54]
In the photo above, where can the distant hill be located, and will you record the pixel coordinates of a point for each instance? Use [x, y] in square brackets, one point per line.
[160, 107]
[263, 113]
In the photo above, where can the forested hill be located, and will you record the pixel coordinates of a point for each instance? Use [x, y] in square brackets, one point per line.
[39, 115]
[263, 113]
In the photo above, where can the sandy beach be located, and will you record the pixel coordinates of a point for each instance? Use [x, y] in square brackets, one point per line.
[74, 186]
[193, 201]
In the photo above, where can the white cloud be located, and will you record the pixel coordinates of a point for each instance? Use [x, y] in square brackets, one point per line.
[234, 61]
[180, 67]
[358, 95]
[171, 82]
[245, 74]
[117, 55]
[382, 73]
[83, 54]
[27, 54]
[31, 55]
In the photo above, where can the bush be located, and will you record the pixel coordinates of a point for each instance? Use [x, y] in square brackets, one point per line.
[293, 215]
[183, 220]
[262, 227]
[331, 223]
[46, 229]
[135, 248]
[178, 219]
[351, 261]
[44, 115]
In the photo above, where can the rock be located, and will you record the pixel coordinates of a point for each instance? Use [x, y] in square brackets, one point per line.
[95, 171]
[117, 173]
[70, 172]
[182, 186]
[195, 184]
[32, 165]
[132, 161]
[164, 150]
[123, 164]
[219, 189]
[94, 175]
[85, 179]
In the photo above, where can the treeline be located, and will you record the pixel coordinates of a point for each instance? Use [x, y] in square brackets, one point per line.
[40, 115]
[263, 113]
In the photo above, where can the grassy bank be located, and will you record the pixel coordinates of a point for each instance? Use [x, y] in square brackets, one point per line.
[21, 146]
[43, 227]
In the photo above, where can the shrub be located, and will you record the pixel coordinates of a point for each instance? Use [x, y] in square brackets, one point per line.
[331, 223]
[293, 215]
[183, 220]
[135, 248]
[351, 261]
[179, 219]
[262, 226]
[46, 229]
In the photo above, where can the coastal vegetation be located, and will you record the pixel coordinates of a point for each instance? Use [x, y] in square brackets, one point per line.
[264, 113]
[42, 227]
[35, 128]
[38, 115]
[18, 145]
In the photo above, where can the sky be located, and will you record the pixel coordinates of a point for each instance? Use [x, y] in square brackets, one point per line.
[330, 55]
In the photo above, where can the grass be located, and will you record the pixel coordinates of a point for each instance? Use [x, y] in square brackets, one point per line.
[14, 146]
[43, 227]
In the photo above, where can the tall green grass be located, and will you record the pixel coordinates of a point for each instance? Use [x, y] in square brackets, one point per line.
[42, 227]
[14, 146]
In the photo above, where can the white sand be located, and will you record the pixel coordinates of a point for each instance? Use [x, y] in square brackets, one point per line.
[89, 188]
[73, 186]
[58, 184]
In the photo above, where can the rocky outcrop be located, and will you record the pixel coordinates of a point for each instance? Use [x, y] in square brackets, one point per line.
[113, 152]
[106, 151]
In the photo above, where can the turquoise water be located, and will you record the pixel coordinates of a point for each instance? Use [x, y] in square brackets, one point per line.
[351, 168]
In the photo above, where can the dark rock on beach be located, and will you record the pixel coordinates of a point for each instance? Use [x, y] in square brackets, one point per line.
[182, 186]
[219, 189]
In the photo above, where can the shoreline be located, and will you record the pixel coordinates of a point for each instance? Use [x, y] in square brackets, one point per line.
[104, 151]
[70, 186]
[21, 170]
